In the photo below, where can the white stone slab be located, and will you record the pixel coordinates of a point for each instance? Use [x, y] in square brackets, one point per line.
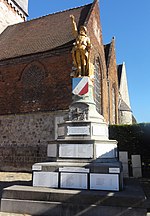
[100, 130]
[84, 130]
[74, 169]
[74, 180]
[58, 120]
[106, 150]
[123, 156]
[104, 182]
[61, 131]
[45, 179]
[137, 172]
[76, 150]
[136, 160]
[114, 170]
[36, 167]
[136, 166]
[125, 170]
[52, 150]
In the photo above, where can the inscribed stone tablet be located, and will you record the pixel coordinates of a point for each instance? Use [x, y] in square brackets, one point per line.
[104, 182]
[114, 170]
[78, 130]
[74, 180]
[45, 179]
[52, 150]
[76, 150]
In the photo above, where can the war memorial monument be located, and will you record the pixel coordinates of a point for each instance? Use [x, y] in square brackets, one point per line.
[82, 175]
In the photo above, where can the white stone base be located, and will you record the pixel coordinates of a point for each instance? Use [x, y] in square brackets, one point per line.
[45, 179]
[73, 180]
[104, 182]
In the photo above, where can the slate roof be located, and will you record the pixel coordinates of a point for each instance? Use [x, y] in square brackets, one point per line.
[119, 70]
[42, 34]
[124, 106]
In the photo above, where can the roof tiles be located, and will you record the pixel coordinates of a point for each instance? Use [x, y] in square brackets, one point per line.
[42, 34]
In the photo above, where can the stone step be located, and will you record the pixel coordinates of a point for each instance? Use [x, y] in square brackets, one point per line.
[46, 201]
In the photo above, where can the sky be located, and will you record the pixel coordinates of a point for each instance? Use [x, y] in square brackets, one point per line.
[128, 21]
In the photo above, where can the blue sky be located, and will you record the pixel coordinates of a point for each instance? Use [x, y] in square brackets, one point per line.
[128, 21]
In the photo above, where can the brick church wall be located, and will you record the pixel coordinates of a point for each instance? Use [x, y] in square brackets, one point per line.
[47, 90]
[113, 85]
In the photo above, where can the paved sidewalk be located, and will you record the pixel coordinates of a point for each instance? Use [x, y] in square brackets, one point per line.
[13, 178]
[12, 214]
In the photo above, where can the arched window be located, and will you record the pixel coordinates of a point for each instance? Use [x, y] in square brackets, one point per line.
[98, 85]
[32, 80]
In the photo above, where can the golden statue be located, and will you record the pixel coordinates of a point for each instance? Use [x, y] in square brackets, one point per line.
[81, 50]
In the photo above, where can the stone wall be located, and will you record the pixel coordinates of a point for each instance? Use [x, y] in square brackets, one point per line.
[8, 15]
[24, 139]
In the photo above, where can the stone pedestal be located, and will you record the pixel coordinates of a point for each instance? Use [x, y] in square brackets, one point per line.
[82, 156]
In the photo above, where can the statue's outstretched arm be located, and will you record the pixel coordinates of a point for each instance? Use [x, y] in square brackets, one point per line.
[74, 26]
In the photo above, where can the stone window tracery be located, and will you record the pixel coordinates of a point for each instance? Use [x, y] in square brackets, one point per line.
[32, 79]
[98, 85]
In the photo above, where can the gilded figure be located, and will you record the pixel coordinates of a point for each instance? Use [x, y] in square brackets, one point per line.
[81, 50]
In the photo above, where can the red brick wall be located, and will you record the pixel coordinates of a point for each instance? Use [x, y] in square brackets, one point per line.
[55, 89]
[113, 83]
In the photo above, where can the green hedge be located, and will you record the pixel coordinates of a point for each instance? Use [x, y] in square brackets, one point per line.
[132, 138]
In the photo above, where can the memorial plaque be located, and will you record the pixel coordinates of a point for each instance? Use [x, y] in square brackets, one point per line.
[106, 150]
[61, 131]
[104, 182]
[58, 120]
[74, 180]
[100, 130]
[76, 150]
[114, 170]
[52, 150]
[74, 169]
[36, 167]
[45, 179]
[123, 156]
[78, 130]
[136, 166]
[136, 160]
